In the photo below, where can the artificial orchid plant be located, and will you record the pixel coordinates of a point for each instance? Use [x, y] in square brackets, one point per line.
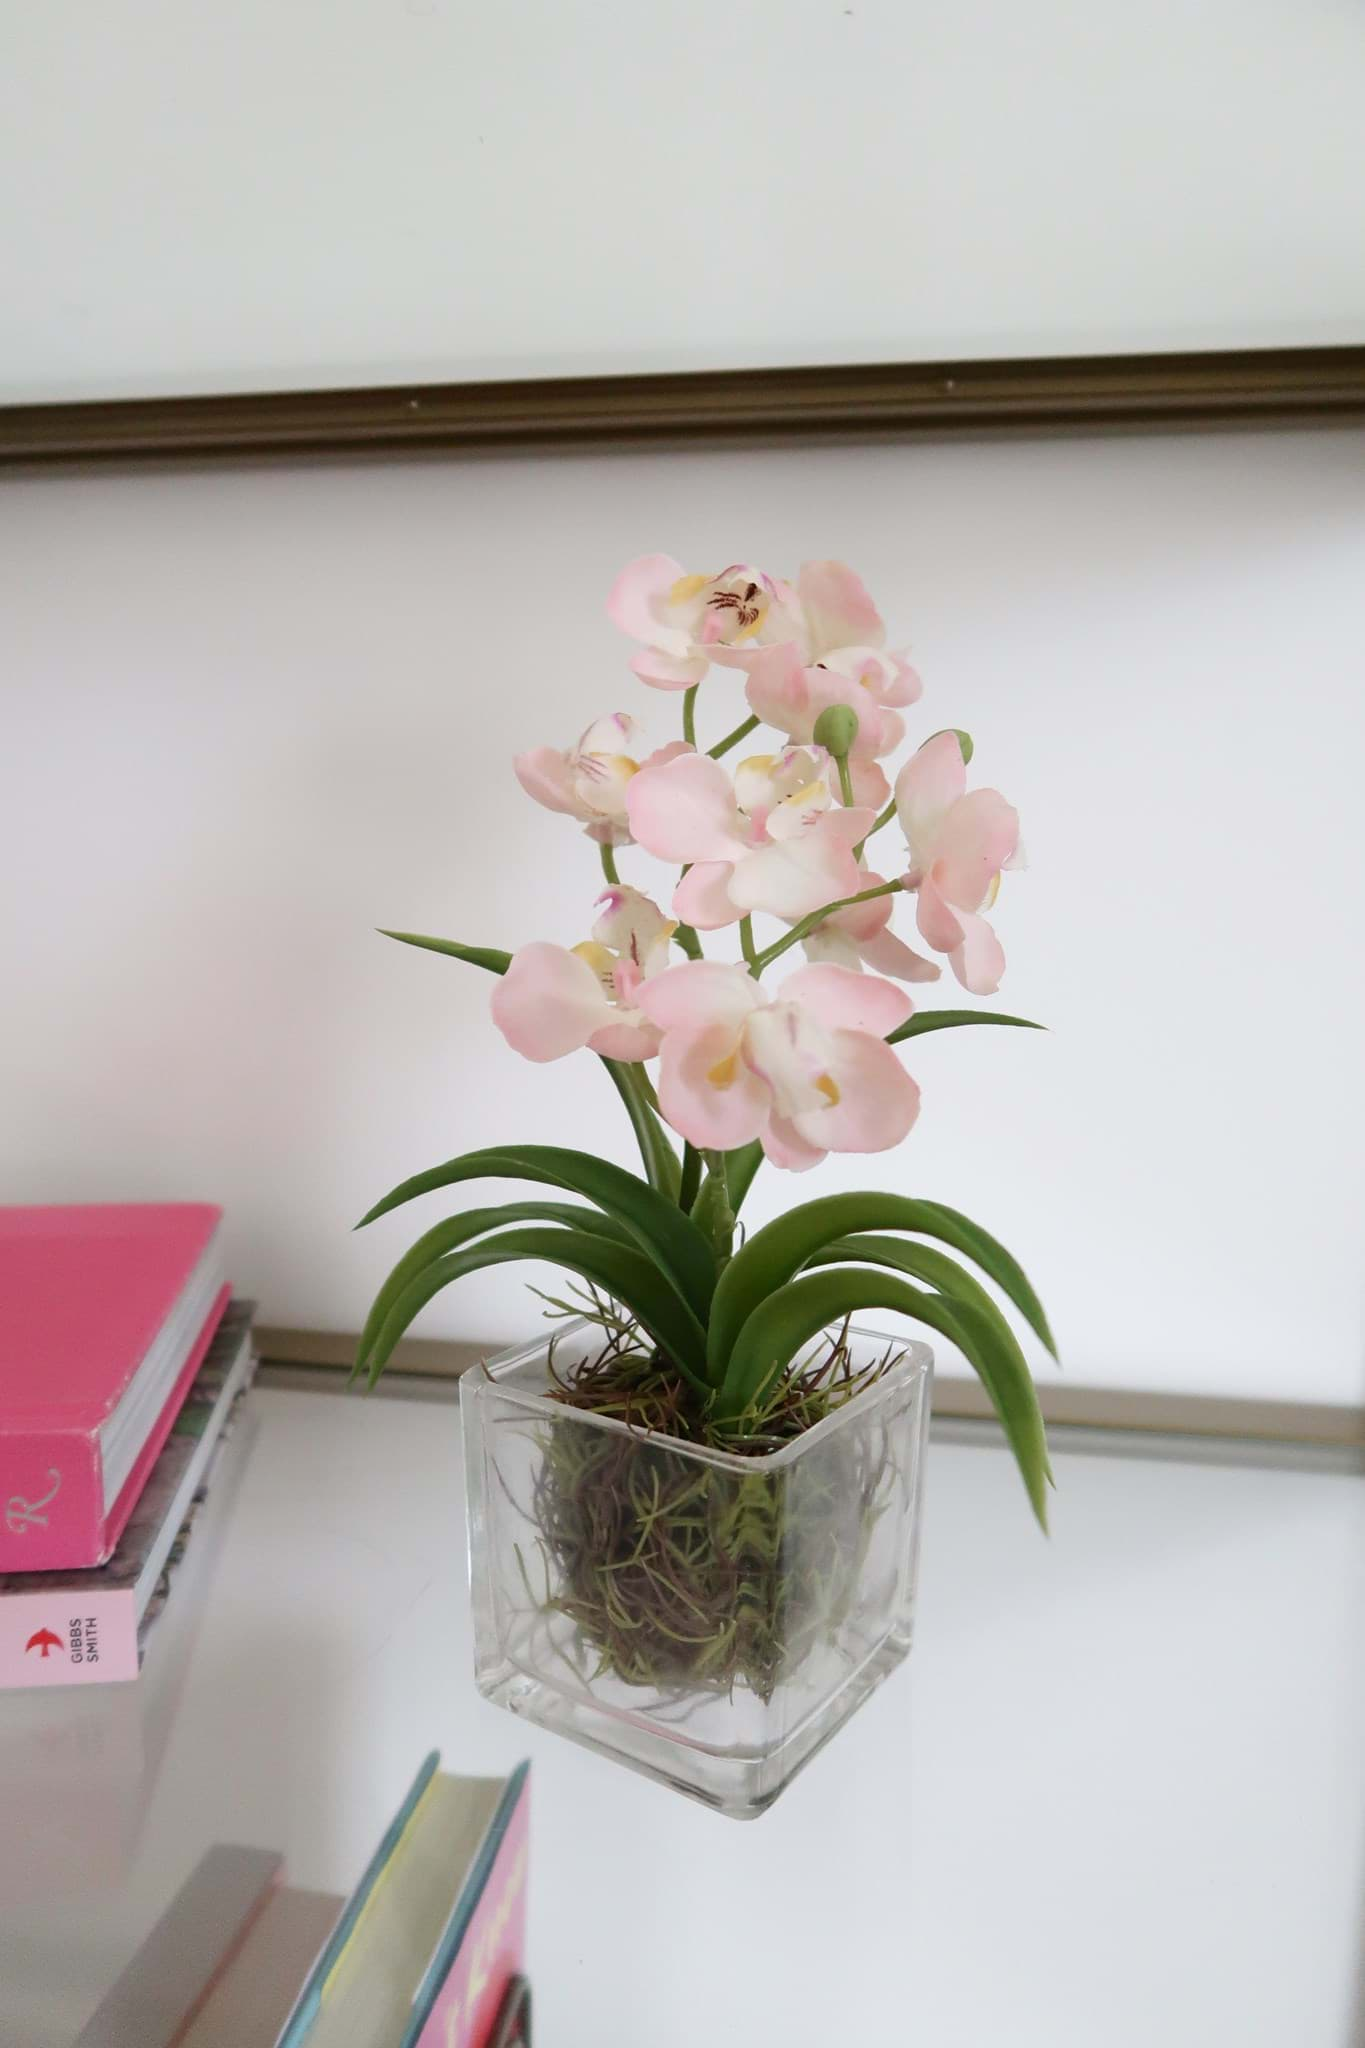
[751, 1069]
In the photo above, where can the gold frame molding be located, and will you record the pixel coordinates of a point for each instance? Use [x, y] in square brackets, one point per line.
[1268, 387]
[319, 1357]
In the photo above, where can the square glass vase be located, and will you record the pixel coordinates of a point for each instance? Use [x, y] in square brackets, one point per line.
[708, 1618]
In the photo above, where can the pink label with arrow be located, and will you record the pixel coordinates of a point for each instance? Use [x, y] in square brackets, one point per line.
[67, 1638]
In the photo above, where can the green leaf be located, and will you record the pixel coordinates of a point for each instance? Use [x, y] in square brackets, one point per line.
[948, 1020]
[490, 957]
[457, 1230]
[1005, 1374]
[778, 1251]
[671, 1239]
[624, 1273]
[777, 1329]
[740, 1167]
[659, 1158]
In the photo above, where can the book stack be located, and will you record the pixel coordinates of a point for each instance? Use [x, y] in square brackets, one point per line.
[123, 1364]
[426, 1953]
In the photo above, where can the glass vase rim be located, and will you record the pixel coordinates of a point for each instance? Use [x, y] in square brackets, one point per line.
[914, 1366]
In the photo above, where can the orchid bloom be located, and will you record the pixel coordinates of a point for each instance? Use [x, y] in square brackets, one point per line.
[806, 1070]
[859, 935]
[589, 781]
[959, 845]
[840, 659]
[553, 1000]
[684, 623]
[773, 839]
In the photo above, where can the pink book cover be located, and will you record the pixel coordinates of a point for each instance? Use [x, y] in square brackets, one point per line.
[84, 1293]
[492, 1943]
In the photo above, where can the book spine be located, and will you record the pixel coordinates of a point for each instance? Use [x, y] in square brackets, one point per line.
[67, 1637]
[51, 1501]
[491, 1947]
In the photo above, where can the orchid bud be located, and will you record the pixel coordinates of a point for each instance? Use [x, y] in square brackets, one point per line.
[836, 729]
[964, 740]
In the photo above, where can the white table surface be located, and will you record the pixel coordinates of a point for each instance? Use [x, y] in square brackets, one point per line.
[1114, 1798]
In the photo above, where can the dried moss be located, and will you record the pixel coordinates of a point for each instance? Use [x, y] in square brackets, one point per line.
[680, 1574]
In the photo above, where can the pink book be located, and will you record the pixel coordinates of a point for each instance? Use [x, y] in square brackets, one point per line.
[106, 1311]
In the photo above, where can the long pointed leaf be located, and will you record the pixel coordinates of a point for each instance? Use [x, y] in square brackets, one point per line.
[457, 1230]
[949, 1020]
[660, 1160]
[491, 958]
[772, 1255]
[1006, 1377]
[627, 1275]
[740, 1167]
[670, 1238]
[776, 1331]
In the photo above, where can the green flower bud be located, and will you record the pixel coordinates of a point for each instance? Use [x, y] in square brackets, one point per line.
[836, 729]
[964, 740]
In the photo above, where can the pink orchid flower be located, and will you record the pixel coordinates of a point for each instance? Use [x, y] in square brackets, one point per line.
[839, 659]
[959, 845]
[807, 1070]
[773, 839]
[860, 936]
[789, 695]
[589, 781]
[684, 623]
[554, 1000]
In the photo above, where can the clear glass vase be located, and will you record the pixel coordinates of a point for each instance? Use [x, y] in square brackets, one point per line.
[707, 1618]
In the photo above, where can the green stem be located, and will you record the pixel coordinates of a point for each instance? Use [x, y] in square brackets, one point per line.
[719, 1216]
[845, 779]
[688, 940]
[608, 862]
[885, 819]
[690, 714]
[732, 739]
[691, 1177]
[746, 940]
[808, 924]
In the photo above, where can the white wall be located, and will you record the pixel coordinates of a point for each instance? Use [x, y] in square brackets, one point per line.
[248, 715]
[196, 197]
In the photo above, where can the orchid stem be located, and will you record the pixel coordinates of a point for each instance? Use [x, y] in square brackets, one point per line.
[609, 864]
[845, 780]
[746, 940]
[690, 714]
[688, 940]
[720, 1212]
[884, 819]
[732, 739]
[808, 924]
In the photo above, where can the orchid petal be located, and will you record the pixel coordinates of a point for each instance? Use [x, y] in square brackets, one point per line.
[626, 1039]
[837, 609]
[685, 810]
[783, 1145]
[876, 1101]
[546, 774]
[636, 591]
[928, 785]
[706, 1091]
[702, 897]
[792, 877]
[844, 1001]
[978, 837]
[549, 1002]
[887, 954]
[665, 671]
[699, 994]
